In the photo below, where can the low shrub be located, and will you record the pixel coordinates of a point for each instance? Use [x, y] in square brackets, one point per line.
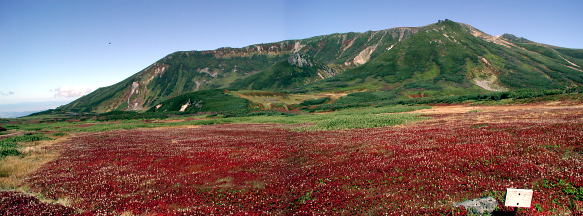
[126, 115]
[317, 101]
[9, 146]
[258, 113]
[362, 99]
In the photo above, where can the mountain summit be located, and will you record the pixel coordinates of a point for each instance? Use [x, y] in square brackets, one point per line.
[444, 58]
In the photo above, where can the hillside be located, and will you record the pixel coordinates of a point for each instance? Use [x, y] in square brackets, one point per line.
[452, 59]
[444, 58]
[203, 101]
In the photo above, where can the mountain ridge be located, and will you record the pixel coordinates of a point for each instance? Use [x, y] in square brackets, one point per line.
[444, 58]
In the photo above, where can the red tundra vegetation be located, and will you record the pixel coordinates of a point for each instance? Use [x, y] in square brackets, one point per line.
[417, 169]
[15, 203]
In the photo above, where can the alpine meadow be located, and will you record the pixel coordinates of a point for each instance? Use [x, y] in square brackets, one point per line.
[441, 119]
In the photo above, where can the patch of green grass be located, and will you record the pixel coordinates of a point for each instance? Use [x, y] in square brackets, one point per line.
[96, 126]
[304, 198]
[575, 192]
[538, 207]
[317, 101]
[24, 138]
[215, 100]
[365, 97]
[383, 109]
[9, 146]
[8, 152]
[364, 117]
[124, 115]
[368, 117]
[569, 189]
[342, 122]
[479, 125]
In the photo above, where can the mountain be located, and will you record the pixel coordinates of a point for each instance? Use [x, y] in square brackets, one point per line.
[444, 58]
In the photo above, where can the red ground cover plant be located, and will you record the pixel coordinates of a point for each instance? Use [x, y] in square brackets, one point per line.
[261, 169]
[16, 203]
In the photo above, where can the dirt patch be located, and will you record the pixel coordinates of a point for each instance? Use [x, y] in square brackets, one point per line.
[11, 134]
[334, 95]
[549, 113]
[452, 109]
[490, 83]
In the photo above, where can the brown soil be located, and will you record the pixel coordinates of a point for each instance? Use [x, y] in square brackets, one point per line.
[528, 113]
[452, 109]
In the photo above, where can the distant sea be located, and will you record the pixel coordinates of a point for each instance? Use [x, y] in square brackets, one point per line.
[26, 108]
[16, 114]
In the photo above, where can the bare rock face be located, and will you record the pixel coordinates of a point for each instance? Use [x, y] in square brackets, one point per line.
[299, 60]
[479, 206]
[364, 55]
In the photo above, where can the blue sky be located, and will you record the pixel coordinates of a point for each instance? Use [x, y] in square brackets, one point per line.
[57, 50]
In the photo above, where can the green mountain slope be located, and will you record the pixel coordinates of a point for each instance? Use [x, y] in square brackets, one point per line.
[203, 101]
[444, 58]
[188, 71]
[449, 58]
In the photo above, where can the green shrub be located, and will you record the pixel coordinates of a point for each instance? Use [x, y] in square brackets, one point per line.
[574, 89]
[126, 115]
[362, 99]
[216, 100]
[342, 122]
[311, 102]
[8, 152]
[9, 146]
[257, 113]
[538, 207]
[59, 134]
[569, 189]
[24, 138]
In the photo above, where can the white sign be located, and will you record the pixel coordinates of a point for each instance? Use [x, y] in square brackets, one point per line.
[518, 197]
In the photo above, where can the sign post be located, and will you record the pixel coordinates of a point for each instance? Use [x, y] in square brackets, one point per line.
[518, 198]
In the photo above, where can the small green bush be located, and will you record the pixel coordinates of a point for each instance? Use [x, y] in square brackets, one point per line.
[24, 138]
[257, 113]
[362, 99]
[8, 152]
[59, 134]
[214, 100]
[311, 102]
[126, 115]
[9, 146]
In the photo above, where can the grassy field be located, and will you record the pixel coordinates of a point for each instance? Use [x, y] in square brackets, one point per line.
[342, 162]
[300, 160]
[344, 119]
